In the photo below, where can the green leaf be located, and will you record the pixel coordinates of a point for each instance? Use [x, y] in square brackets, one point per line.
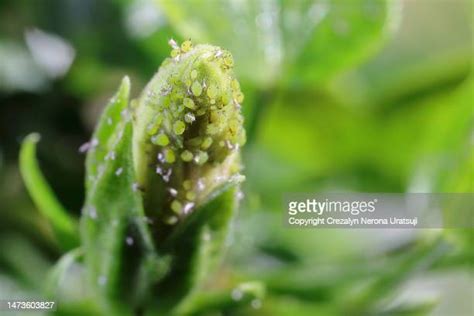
[64, 226]
[310, 40]
[195, 248]
[58, 272]
[117, 244]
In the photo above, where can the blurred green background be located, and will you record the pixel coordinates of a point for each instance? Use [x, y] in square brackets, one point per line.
[365, 96]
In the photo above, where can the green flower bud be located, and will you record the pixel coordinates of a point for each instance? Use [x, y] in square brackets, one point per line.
[187, 131]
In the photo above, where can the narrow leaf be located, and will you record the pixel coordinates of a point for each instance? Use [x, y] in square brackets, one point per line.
[64, 226]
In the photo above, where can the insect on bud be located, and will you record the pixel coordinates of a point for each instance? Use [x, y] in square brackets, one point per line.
[188, 130]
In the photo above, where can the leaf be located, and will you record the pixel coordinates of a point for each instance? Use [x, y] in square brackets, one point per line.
[310, 40]
[64, 226]
[195, 248]
[58, 272]
[117, 244]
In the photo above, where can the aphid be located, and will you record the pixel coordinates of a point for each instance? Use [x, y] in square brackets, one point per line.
[196, 88]
[186, 156]
[201, 157]
[179, 127]
[160, 139]
[176, 206]
[189, 103]
[169, 156]
[186, 46]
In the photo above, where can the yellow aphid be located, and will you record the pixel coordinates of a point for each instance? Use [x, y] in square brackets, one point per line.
[186, 46]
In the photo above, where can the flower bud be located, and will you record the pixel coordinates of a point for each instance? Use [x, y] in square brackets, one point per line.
[188, 130]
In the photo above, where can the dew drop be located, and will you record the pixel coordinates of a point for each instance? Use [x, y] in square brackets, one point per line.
[129, 241]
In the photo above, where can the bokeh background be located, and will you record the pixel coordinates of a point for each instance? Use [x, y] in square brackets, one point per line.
[364, 96]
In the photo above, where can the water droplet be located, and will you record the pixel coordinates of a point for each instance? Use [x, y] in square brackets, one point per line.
[129, 241]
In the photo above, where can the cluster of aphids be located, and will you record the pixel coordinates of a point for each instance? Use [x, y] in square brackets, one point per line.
[196, 123]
